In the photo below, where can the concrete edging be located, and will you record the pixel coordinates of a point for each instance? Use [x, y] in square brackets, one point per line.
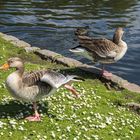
[70, 62]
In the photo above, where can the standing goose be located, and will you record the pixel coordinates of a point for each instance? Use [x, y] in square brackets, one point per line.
[30, 87]
[101, 50]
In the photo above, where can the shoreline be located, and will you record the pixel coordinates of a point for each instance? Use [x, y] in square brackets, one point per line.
[70, 62]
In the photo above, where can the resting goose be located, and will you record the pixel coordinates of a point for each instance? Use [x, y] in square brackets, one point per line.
[30, 87]
[102, 50]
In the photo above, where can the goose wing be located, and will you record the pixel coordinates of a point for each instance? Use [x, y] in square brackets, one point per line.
[102, 47]
[50, 77]
[56, 79]
[33, 77]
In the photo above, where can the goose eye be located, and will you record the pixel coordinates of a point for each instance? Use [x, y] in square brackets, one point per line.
[10, 62]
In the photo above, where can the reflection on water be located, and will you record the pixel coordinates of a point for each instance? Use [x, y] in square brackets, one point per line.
[50, 25]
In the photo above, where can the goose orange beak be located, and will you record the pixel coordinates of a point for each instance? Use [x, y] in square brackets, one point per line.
[5, 66]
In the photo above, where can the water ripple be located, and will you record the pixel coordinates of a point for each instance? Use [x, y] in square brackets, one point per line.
[51, 25]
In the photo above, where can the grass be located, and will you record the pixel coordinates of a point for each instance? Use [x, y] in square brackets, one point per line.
[99, 114]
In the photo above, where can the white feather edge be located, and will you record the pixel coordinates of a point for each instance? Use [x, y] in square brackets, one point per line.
[60, 81]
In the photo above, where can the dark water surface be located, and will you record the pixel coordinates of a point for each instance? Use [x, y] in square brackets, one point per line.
[50, 24]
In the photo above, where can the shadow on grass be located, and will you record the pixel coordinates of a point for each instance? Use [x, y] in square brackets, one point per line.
[17, 110]
[78, 72]
[92, 76]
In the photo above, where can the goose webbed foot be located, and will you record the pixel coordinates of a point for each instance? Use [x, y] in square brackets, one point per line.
[106, 73]
[35, 117]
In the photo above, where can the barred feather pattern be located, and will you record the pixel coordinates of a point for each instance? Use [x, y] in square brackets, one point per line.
[33, 77]
[36, 76]
[101, 47]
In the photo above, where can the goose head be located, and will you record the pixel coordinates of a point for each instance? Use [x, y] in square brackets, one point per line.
[118, 35]
[81, 31]
[14, 62]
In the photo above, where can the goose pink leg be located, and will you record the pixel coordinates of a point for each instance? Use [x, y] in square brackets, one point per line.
[69, 87]
[106, 73]
[36, 116]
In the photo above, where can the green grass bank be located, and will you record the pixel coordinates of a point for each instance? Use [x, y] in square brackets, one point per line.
[99, 114]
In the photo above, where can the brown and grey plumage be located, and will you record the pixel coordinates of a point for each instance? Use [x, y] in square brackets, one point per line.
[31, 87]
[102, 50]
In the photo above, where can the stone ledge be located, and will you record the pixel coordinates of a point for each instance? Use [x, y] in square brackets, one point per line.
[15, 41]
[47, 54]
[31, 49]
[122, 83]
[20, 44]
[70, 62]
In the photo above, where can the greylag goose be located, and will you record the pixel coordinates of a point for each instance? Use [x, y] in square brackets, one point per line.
[30, 87]
[101, 50]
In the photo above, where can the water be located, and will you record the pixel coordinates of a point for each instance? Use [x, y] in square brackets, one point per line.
[50, 24]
